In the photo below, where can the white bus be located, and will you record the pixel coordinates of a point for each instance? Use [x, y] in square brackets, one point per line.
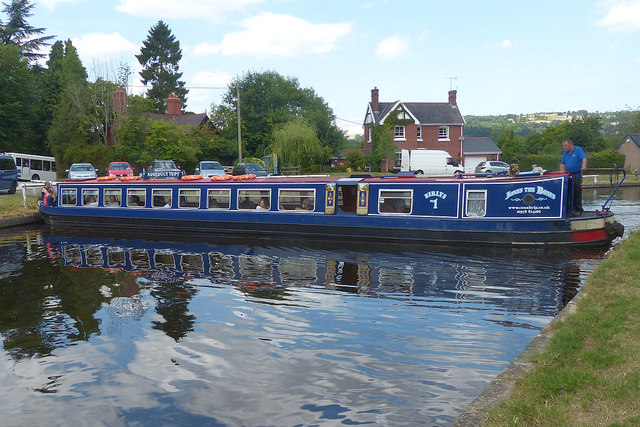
[32, 167]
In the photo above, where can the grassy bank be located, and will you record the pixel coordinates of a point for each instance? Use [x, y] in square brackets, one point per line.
[12, 205]
[589, 373]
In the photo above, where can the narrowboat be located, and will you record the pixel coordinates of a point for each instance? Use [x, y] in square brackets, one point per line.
[525, 210]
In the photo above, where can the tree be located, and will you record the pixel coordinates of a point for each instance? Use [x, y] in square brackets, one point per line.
[159, 57]
[267, 101]
[383, 147]
[18, 32]
[297, 143]
[71, 136]
[18, 113]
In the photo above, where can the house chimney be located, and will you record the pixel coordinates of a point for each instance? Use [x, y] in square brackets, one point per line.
[452, 97]
[374, 99]
[119, 101]
[174, 105]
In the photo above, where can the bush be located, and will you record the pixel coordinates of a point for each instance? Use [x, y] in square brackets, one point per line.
[605, 159]
[545, 161]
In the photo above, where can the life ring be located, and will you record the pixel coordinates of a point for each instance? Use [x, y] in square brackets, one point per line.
[221, 177]
[245, 177]
[130, 178]
[191, 177]
[106, 178]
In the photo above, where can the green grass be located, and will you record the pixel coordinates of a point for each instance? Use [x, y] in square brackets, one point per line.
[589, 374]
[12, 205]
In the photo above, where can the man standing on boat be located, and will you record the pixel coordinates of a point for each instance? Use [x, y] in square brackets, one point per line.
[574, 161]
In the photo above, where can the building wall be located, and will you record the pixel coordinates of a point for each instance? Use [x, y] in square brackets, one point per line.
[429, 139]
[632, 155]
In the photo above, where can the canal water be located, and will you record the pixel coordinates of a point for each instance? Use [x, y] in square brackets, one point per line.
[160, 330]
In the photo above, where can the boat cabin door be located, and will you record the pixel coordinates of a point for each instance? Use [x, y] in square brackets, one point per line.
[347, 195]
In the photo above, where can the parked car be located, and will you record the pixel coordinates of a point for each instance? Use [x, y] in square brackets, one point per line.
[249, 168]
[82, 171]
[209, 169]
[120, 169]
[163, 169]
[494, 167]
[8, 174]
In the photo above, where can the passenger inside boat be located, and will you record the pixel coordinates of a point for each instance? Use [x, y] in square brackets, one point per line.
[263, 204]
[247, 203]
[167, 203]
[304, 205]
[112, 201]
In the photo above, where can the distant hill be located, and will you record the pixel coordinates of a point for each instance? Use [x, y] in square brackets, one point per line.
[613, 123]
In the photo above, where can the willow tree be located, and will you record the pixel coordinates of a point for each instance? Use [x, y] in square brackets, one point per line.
[296, 143]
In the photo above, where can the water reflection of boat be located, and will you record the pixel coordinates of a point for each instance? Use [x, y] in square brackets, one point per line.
[347, 267]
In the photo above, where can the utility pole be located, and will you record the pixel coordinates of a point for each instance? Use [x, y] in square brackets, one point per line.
[239, 127]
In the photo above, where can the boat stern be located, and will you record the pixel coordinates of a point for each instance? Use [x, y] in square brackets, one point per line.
[596, 229]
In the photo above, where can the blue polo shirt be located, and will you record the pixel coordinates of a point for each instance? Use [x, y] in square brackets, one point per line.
[573, 162]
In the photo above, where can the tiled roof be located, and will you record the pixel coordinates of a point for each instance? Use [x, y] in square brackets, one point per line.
[426, 113]
[480, 145]
[183, 119]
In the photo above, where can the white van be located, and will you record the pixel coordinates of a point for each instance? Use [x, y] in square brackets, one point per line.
[429, 162]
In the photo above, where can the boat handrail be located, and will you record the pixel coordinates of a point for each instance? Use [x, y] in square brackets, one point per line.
[607, 205]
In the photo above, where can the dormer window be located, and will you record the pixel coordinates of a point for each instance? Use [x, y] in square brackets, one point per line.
[443, 133]
[398, 133]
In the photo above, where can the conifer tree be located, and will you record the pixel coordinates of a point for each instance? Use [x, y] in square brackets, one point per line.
[18, 32]
[159, 57]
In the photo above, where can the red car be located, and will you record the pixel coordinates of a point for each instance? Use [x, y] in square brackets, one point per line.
[120, 169]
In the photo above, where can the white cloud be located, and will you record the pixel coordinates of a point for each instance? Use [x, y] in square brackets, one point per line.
[393, 47]
[621, 15]
[103, 47]
[269, 35]
[207, 78]
[206, 9]
[505, 44]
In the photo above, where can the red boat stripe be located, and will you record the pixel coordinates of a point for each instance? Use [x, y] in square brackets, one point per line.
[590, 235]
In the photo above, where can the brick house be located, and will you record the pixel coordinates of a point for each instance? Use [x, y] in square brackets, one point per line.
[426, 125]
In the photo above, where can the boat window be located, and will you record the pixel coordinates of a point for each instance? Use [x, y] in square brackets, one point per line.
[300, 200]
[161, 198]
[89, 197]
[218, 199]
[188, 198]
[112, 197]
[394, 201]
[68, 197]
[136, 197]
[476, 203]
[254, 199]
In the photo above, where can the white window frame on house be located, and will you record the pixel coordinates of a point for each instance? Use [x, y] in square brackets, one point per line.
[419, 133]
[443, 133]
[399, 133]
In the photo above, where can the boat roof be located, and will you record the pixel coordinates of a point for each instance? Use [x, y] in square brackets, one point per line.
[350, 180]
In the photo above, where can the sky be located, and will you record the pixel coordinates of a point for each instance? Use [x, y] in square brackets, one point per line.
[503, 57]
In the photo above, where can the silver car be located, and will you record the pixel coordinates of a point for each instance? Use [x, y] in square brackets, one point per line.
[209, 169]
[82, 171]
[493, 167]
